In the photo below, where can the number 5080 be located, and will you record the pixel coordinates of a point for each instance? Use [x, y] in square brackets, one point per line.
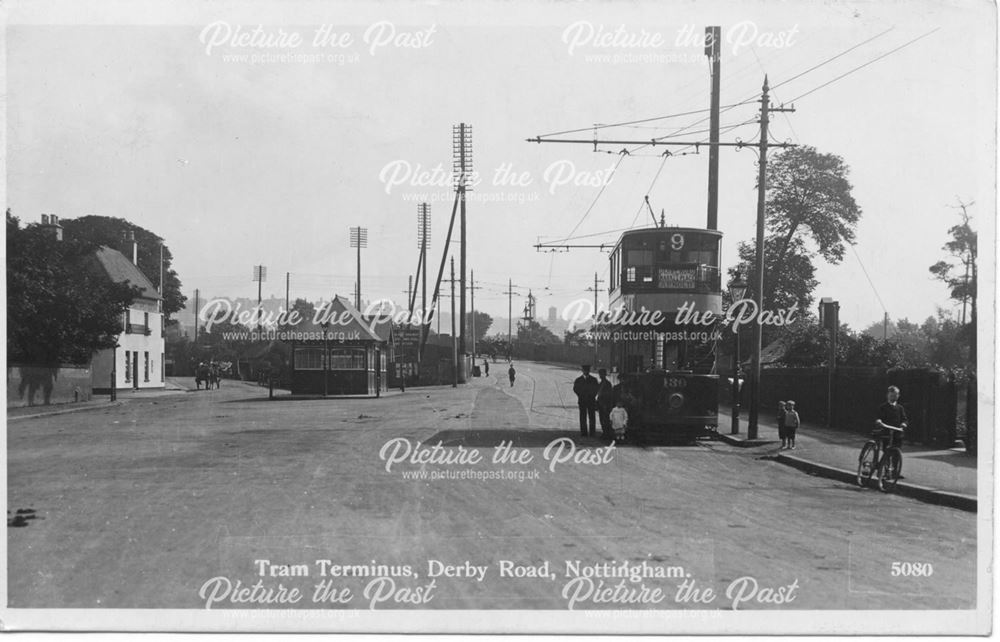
[912, 569]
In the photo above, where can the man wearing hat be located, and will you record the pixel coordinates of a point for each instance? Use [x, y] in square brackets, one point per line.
[585, 388]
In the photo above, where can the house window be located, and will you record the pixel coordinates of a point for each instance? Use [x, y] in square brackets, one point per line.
[347, 359]
[145, 322]
[163, 365]
[128, 366]
[308, 359]
[145, 366]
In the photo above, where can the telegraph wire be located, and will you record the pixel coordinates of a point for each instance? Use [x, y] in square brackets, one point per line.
[862, 66]
[870, 282]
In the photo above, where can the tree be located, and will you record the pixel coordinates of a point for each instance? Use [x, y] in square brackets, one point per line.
[962, 286]
[576, 337]
[787, 282]
[809, 193]
[535, 333]
[305, 311]
[483, 323]
[810, 210]
[61, 305]
[109, 231]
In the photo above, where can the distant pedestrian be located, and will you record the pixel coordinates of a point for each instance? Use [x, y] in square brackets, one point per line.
[782, 431]
[791, 423]
[619, 420]
[511, 373]
[585, 388]
[486, 366]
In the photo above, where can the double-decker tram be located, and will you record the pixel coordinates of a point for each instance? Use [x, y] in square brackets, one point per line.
[663, 281]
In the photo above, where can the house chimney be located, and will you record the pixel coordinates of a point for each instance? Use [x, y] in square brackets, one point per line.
[135, 248]
[50, 223]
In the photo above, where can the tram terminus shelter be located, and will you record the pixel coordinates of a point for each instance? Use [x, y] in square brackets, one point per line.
[346, 356]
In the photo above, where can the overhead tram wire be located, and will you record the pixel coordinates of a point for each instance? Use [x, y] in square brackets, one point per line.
[749, 100]
[862, 66]
[591, 235]
[599, 194]
[756, 96]
[870, 282]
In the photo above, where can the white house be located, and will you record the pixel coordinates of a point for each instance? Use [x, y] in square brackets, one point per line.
[138, 360]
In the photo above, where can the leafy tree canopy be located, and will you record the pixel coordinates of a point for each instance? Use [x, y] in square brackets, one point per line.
[61, 306]
[109, 231]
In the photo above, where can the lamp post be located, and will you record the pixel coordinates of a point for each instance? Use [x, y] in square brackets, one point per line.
[737, 288]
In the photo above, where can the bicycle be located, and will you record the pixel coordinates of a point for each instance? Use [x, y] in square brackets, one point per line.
[887, 465]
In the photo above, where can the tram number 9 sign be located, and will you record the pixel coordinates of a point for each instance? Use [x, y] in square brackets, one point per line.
[677, 241]
[675, 383]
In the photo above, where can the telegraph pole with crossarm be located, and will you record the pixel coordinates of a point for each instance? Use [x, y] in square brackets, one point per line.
[593, 324]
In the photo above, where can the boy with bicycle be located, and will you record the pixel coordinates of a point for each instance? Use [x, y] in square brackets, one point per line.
[891, 422]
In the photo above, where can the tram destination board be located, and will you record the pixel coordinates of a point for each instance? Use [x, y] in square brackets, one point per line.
[678, 278]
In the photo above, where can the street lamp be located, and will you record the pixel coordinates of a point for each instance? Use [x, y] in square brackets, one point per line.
[737, 288]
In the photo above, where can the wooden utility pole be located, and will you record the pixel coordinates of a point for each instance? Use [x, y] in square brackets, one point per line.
[454, 339]
[510, 318]
[713, 46]
[288, 289]
[758, 284]
[259, 274]
[593, 324]
[196, 311]
[462, 246]
[472, 304]
[359, 239]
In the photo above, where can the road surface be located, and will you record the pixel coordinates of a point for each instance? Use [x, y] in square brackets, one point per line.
[179, 501]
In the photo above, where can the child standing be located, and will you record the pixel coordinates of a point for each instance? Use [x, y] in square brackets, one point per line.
[619, 420]
[782, 431]
[791, 423]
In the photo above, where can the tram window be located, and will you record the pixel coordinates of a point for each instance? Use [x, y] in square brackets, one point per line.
[640, 257]
[702, 257]
[630, 274]
[640, 266]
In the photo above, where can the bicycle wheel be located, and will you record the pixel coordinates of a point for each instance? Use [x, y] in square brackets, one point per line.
[892, 466]
[866, 462]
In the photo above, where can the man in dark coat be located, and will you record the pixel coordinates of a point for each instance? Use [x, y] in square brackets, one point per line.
[585, 387]
[605, 403]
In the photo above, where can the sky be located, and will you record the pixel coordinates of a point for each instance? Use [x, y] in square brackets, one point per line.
[243, 149]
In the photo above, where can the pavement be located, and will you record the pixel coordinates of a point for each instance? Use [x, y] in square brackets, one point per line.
[939, 475]
[141, 505]
[99, 402]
